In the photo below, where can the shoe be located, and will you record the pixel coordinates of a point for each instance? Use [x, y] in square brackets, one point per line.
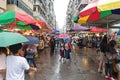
[35, 69]
[106, 77]
[99, 70]
[111, 78]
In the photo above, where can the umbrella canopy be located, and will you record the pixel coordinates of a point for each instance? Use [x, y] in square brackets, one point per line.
[118, 33]
[94, 29]
[24, 26]
[94, 16]
[99, 5]
[90, 8]
[44, 27]
[104, 5]
[12, 16]
[78, 27]
[32, 40]
[63, 36]
[10, 38]
[92, 11]
[42, 24]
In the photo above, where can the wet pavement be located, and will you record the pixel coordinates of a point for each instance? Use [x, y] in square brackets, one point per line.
[83, 66]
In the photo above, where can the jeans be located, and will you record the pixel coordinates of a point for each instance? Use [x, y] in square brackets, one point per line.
[109, 69]
[31, 59]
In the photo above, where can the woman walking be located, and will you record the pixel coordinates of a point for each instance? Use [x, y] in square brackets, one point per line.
[62, 47]
[103, 46]
[30, 55]
[67, 50]
[52, 46]
[111, 55]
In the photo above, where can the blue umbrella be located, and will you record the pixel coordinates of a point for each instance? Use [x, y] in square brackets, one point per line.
[32, 40]
[118, 33]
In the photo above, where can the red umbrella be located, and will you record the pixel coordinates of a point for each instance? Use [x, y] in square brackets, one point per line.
[89, 9]
[24, 18]
[42, 23]
[13, 17]
[94, 29]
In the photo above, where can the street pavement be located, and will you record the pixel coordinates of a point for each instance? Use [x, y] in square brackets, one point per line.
[83, 66]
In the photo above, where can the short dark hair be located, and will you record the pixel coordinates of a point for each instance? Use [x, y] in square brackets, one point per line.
[3, 49]
[112, 43]
[14, 48]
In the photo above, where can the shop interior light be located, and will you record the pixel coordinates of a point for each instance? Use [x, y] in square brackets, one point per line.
[117, 24]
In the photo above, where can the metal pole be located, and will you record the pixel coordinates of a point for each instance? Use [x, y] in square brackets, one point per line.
[107, 28]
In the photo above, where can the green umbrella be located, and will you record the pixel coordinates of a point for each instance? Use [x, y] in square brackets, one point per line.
[10, 38]
[7, 17]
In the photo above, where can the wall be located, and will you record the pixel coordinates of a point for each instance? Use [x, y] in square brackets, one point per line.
[11, 7]
[3, 4]
[28, 3]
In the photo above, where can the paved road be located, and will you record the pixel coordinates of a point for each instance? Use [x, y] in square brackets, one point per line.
[82, 67]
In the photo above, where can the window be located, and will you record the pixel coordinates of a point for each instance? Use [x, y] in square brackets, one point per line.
[34, 8]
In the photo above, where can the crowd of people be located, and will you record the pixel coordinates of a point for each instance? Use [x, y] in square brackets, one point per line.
[22, 58]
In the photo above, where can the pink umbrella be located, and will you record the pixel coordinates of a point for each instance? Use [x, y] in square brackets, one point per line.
[63, 36]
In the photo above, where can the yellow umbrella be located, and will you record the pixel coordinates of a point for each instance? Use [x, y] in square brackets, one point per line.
[104, 5]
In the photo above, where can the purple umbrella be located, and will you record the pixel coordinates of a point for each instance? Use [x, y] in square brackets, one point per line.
[78, 27]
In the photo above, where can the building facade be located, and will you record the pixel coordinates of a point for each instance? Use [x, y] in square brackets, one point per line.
[43, 10]
[23, 6]
[74, 7]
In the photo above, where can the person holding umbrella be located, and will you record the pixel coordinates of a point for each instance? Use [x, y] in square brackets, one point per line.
[62, 47]
[15, 64]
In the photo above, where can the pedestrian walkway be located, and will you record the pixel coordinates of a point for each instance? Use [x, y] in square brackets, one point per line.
[81, 67]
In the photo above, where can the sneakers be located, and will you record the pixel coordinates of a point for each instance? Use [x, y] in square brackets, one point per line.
[35, 69]
[106, 77]
[111, 78]
[99, 70]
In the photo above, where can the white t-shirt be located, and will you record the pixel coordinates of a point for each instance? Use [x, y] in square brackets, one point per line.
[2, 64]
[16, 65]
